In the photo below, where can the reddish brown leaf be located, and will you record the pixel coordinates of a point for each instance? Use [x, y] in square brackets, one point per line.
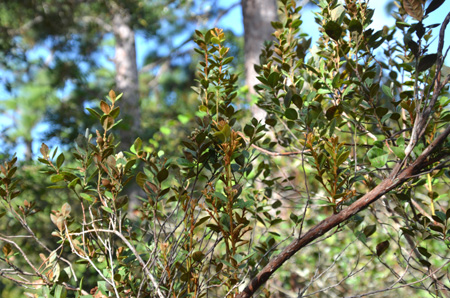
[112, 95]
[105, 107]
[382, 247]
[414, 8]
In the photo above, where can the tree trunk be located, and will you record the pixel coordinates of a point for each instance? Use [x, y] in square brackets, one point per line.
[28, 149]
[258, 15]
[127, 80]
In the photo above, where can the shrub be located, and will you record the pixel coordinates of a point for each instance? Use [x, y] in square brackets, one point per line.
[345, 127]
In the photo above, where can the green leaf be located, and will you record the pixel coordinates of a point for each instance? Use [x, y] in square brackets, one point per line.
[276, 204]
[94, 113]
[333, 30]
[56, 178]
[227, 60]
[86, 197]
[201, 221]
[60, 160]
[119, 96]
[441, 216]
[291, 114]
[107, 209]
[293, 217]
[361, 237]
[399, 151]
[426, 62]
[165, 130]
[381, 111]
[44, 161]
[288, 98]
[107, 122]
[414, 47]
[276, 221]
[249, 130]
[296, 23]
[435, 4]
[213, 227]
[215, 40]
[425, 263]
[11, 172]
[377, 157]
[387, 91]
[324, 91]
[102, 286]
[297, 101]
[183, 118]
[115, 112]
[137, 145]
[225, 222]
[162, 175]
[277, 25]
[332, 112]
[342, 157]
[56, 186]
[424, 252]
[273, 79]
[74, 182]
[141, 178]
[369, 230]
[198, 256]
[336, 83]
[221, 196]
[60, 292]
[355, 25]
[223, 134]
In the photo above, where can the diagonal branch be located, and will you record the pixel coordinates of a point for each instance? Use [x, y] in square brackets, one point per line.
[329, 223]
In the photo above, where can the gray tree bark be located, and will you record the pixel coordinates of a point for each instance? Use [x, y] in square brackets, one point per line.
[258, 15]
[28, 149]
[127, 80]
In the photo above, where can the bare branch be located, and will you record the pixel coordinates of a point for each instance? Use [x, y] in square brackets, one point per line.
[326, 225]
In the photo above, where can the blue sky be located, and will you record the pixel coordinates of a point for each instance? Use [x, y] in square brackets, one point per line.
[233, 21]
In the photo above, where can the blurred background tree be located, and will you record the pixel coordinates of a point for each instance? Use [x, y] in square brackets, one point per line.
[74, 49]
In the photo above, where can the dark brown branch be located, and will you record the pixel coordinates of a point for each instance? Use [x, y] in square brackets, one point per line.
[326, 225]
[422, 119]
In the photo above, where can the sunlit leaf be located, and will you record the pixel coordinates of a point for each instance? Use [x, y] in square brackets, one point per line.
[414, 8]
[377, 157]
